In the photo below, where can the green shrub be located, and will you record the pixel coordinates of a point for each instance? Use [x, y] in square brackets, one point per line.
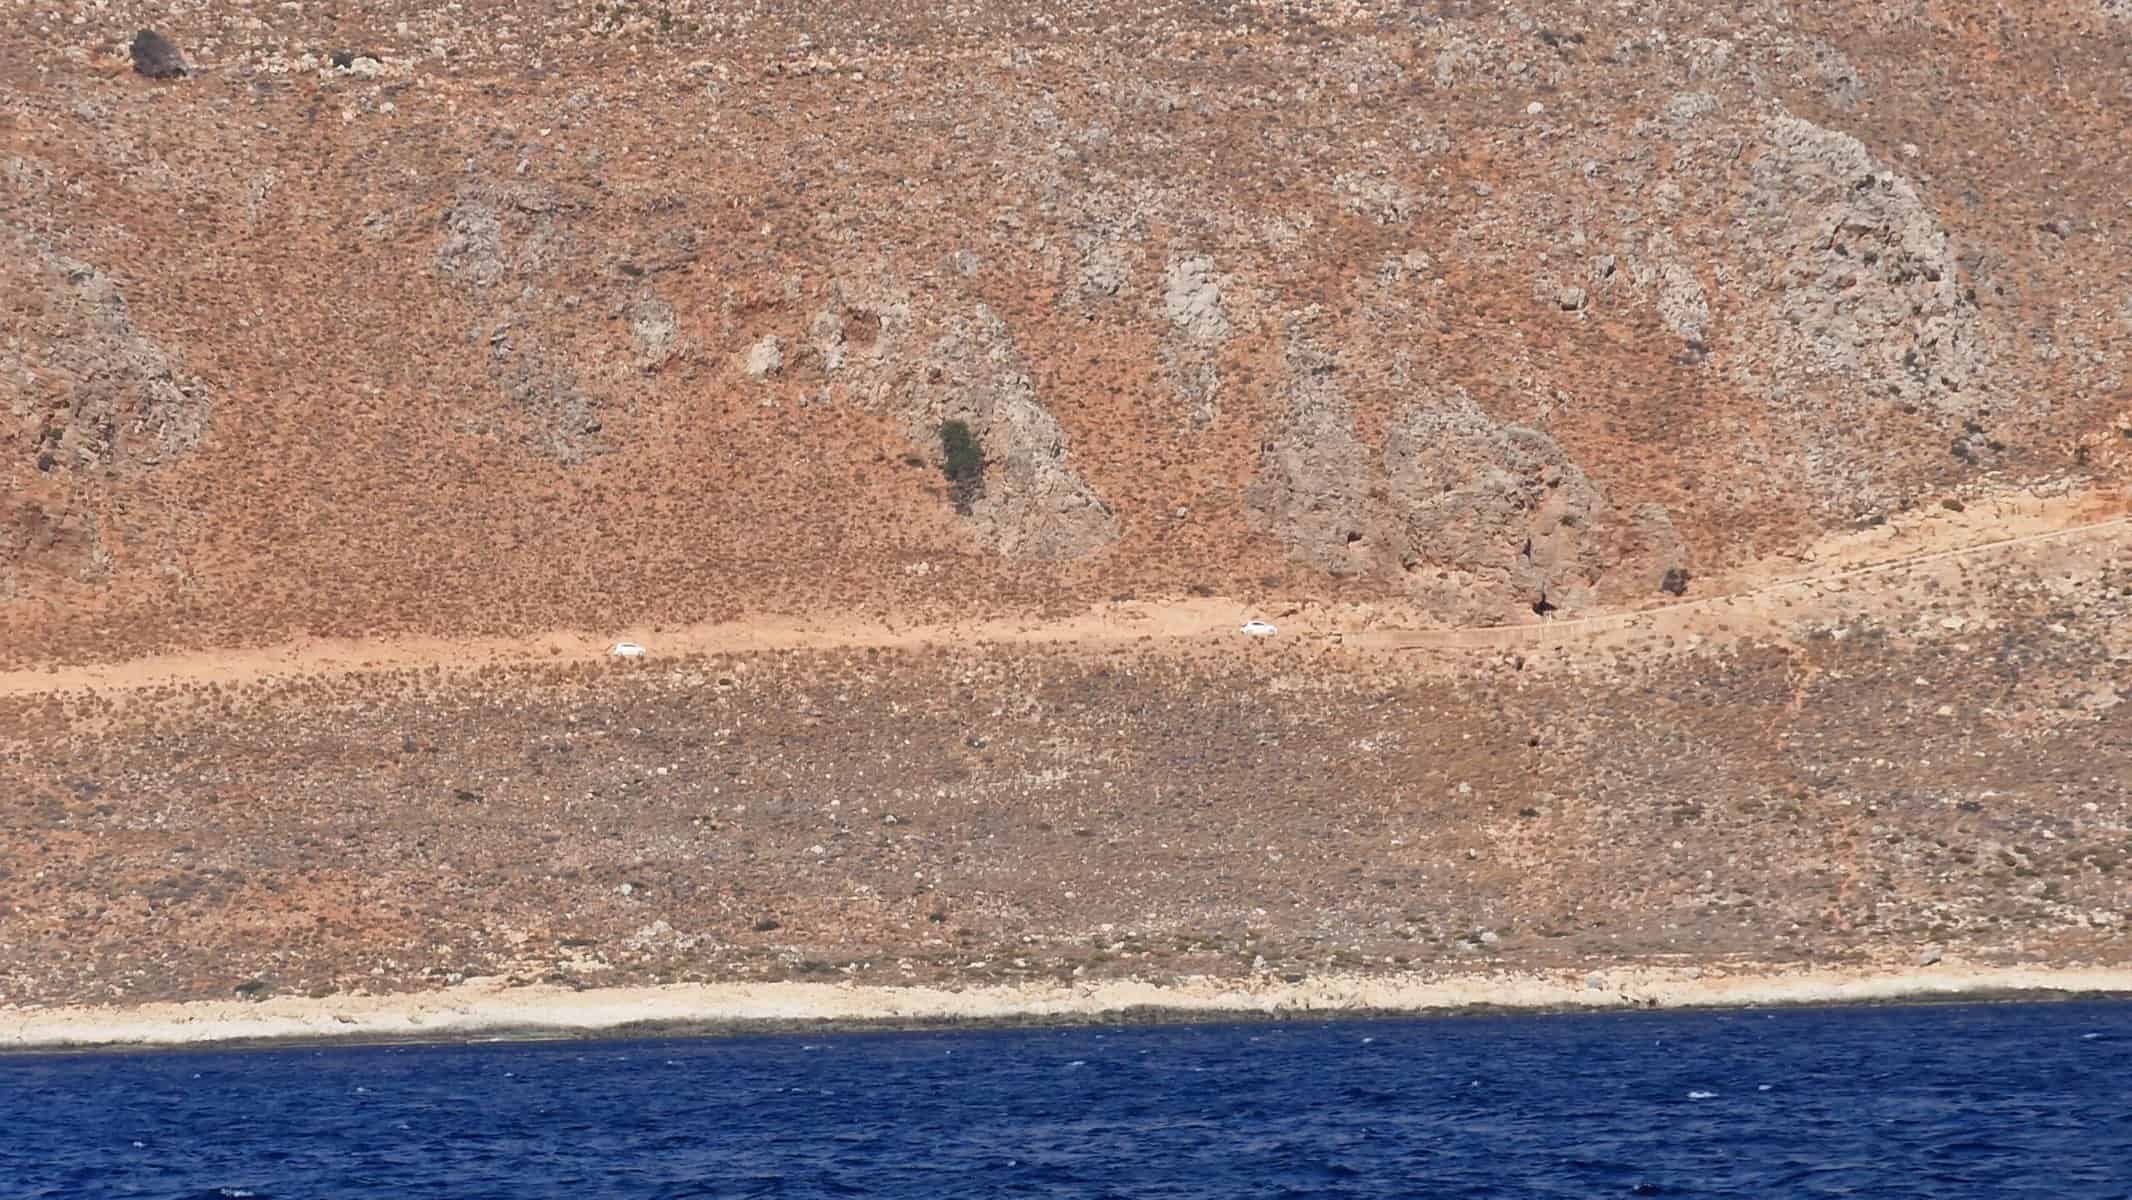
[963, 462]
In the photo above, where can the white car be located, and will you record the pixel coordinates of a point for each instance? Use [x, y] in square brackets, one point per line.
[626, 650]
[1256, 628]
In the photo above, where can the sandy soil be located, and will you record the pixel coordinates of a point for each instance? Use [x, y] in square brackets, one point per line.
[1915, 738]
[483, 1008]
[1739, 603]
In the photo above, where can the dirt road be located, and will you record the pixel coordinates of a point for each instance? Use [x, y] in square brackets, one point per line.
[1750, 600]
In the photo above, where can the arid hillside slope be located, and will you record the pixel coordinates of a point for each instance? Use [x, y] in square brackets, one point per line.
[495, 319]
[1939, 763]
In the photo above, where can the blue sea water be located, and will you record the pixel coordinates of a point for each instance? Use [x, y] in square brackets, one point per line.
[1999, 1101]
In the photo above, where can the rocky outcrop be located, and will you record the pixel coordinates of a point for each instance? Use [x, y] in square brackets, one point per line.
[1313, 476]
[1481, 508]
[1199, 325]
[1867, 290]
[1105, 263]
[87, 398]
[85, 388]
[1468, 514]
[1733, 267]
[500, 243]
[657, 330]
[925, 360]
[1033, 505]
[1831, 289]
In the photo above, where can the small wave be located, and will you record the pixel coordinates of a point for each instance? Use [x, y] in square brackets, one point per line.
[1702, 1095]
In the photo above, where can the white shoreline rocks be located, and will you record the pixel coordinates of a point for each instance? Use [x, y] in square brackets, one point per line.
[486, 1008]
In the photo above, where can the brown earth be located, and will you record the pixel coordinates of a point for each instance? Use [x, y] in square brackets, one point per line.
[358, 386]
[1850, 774]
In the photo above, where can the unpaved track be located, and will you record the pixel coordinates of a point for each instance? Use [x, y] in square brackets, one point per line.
[1745, 600]
[1663, 616]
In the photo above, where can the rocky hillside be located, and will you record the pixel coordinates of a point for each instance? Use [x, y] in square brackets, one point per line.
[1885, 782]
[488, 318]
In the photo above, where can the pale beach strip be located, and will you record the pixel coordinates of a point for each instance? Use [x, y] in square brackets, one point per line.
[489, 1009]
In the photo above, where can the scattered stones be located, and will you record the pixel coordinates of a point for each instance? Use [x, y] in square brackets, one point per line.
[357, 63]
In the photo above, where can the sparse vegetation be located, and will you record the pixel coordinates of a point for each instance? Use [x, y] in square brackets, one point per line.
[963, 462]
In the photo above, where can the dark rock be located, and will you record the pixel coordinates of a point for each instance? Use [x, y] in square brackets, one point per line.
[1676, 581]
[157, 56]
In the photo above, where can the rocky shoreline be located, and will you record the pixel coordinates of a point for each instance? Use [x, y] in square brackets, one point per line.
[489, 1010]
